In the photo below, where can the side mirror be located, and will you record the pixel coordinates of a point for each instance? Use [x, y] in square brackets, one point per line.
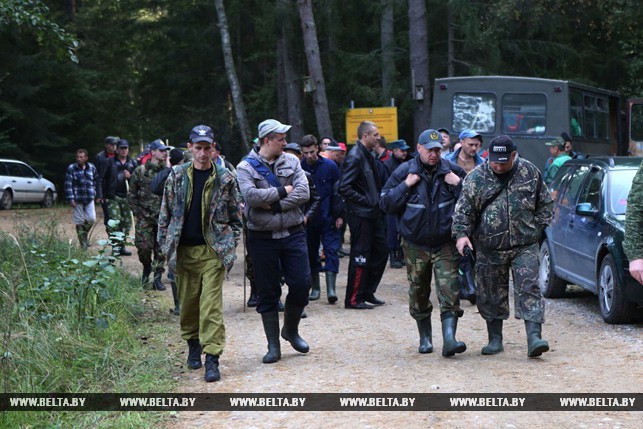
[586, 209]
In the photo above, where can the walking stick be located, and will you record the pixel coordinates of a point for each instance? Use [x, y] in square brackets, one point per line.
[245, 271]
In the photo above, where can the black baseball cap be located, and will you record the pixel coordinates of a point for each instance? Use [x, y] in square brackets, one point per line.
[500, 149]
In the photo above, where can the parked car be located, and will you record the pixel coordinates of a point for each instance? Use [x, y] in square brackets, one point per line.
[19, 183]
[583, 245]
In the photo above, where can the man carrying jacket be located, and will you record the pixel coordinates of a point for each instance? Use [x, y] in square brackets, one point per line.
[199, 227]
[360, 185]
[422, 194]
[503, 209]
[274, 188]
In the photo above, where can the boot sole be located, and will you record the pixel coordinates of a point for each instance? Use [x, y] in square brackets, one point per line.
[332, 299]
[271, 360]
[492, 352]
[538, 351]
[452, 352]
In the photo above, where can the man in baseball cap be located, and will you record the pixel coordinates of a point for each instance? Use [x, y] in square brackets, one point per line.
[502, 150]
[422, 194]
[272, 126]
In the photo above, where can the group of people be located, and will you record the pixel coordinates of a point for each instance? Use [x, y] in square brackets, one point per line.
[293, 199]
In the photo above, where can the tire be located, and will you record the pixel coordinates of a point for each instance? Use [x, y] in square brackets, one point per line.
[614, 308]
[550, 284]
[6, 200]
[48, 200]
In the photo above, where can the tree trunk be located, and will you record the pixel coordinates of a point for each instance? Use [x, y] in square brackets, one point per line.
[419, 51]
[235, 87]
[291, 82]
[311, 45]
[450, 41]
[388, 47]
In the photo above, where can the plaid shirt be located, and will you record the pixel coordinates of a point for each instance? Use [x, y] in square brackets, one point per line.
[80, 184]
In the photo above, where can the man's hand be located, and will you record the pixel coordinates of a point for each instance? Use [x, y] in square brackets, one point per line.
[99, 200]
[411, 180]
[339, 222]
[462, 243]
[636, 270]
[452, 178]
[72, 203]
[127, 174]
[289, 188]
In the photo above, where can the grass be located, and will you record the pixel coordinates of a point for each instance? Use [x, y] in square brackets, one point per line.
[71, 322]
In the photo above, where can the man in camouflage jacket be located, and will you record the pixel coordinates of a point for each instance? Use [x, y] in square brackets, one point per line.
[146, 205]
[199, 227]
[504, 208]
[633, 244]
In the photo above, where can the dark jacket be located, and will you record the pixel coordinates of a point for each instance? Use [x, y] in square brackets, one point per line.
[391, 165]
[360, 184]
[325, 174]
[157, 185]
[113, 173]
[423, 219]
[311, 208]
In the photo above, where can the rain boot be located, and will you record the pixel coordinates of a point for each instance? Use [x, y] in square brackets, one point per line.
[252, 301]
[331, 280]
[449, 326]
[123, 250]
[194, 353]
[494, 329]
[394, 260]
[80, 234]
[315, 289]
[175, 296]
[212, 368]
[424, 328]
[158, 282]
[145, 278]
[535, 344]
[290, 330]
[271, 328]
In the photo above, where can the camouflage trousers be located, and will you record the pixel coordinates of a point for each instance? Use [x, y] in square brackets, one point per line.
[492, 278]
[421, 264]
[146, 244]
[119, 210]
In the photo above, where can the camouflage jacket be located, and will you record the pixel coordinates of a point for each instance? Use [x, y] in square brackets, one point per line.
[142, 201]
[517, 217]
[633, 244]
[221, 213]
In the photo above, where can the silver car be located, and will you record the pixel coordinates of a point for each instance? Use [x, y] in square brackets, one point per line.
[19, 183]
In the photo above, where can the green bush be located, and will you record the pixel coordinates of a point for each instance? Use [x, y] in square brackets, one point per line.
[74, 322]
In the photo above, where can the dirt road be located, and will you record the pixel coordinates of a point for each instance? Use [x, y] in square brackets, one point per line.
[375, 351]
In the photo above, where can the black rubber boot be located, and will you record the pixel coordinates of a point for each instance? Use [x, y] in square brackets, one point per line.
[158, 282]
[426, 336]
[252, 301]
[449, 326]
[290, 330]
[331, 281]
[145, 277]
[494, 329]
[212, 368]
[175, 296]
[536, 346]
[394, 260]
[194, 353]
[123, 251]
[271, 328]
[315, 289]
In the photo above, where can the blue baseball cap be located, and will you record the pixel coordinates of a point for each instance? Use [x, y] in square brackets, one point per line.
[202, 133]
[399, 144]
[158, 145]
[430, 139]
[470, 134]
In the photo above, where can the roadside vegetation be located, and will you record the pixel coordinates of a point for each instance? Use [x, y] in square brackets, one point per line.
[72, 322]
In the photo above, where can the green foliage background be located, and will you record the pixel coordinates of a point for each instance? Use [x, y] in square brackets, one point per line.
[144, 69]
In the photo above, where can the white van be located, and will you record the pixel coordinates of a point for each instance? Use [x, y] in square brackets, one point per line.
[19, 183]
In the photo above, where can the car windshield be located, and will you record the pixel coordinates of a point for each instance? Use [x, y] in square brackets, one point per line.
[619, 187]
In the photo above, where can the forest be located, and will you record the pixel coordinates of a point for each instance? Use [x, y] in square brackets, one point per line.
[75, 71]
